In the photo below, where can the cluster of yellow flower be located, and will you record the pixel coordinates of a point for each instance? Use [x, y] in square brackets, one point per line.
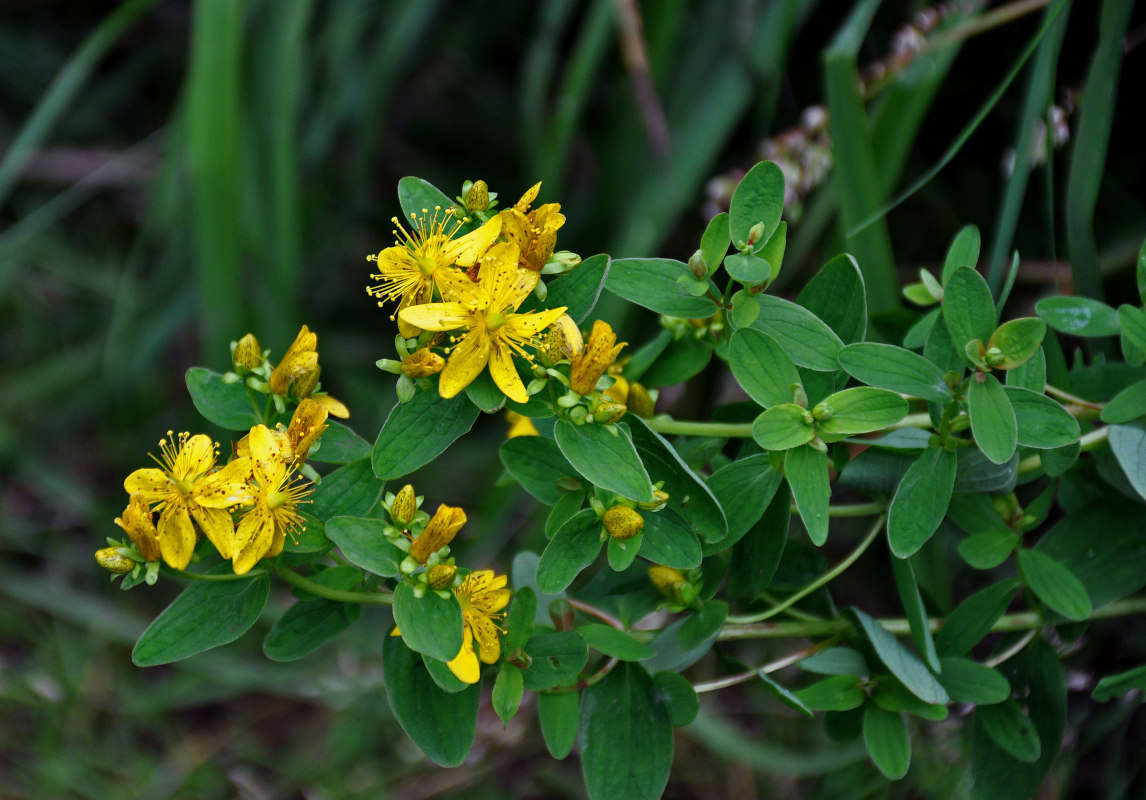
[480, 280]
[296, 373]
[189, 491]
[481, 594]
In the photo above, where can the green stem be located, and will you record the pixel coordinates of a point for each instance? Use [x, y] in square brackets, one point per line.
[824, 579]
[1088, 442]
[1023, 621]
[200, 576]
[766, 669]
[730, 430]
[339, 595]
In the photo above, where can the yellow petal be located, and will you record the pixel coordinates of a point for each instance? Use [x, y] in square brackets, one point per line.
[334, 407]
[264, 454]
[218, 526]
[196, 457]
[253, 538]
[176, 536]
[533, 323]
[504, 372]
[466, 250]
[485, 634]
[225, 488]
[151, 482]
[527, 199]
[467, 360]
[437, 316]
[465, 665]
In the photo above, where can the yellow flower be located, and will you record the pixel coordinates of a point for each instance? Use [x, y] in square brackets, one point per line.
[562, 340]
[262, 530]
[481, 596]
[185, 488]
[534, 232]
[299, 361]
[306, 425]
[439, 532]
[140, 528]
[495, 333]
[592, 362]
[423, 260]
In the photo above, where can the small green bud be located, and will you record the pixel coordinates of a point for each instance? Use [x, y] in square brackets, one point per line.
[698, 265]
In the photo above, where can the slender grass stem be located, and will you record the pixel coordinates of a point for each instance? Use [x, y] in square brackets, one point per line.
[339, 595]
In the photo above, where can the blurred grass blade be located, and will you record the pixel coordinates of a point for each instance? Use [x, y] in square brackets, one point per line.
[58, 98]
[972, 126]
[213, 147]
[1088, 156]
[1040, 93]
[856, 177]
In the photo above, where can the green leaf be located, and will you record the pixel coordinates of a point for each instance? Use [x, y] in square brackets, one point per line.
[758, 198]
[976, 473]
[912, 601]
[748, 268]
[1031, 374]
[507, 691]
[652, 283]
[681, 359]
[1079, 316]
[676, 694]
[896, 369]
[773, 249]
[417, 196]
[885, 736]
[807, 472]
[993, 420]
[1118, 685]
[837, 693]
[783, 427]
[670, 655]
[442, 676]
[756, 557]
[891, 695]
[351, 490]
[417, 432]
[669, 541]
[340, 445]
[783, 695]
[574, 547]
[1126, 406]
[1128, 443]
[1011, 729]
[363, 544]
[563, 511]
[614, 643]
[580, 289]
[228, 405]
[920, 501]
[968, 681]
[751, 476]
[973, 618]
[804, 336]
[1054, 584]
[306, 626]
[968, 308]
[606, 457]
[989, 549]
[430, 624]
[963, 252]
[620, 554]
[420, 705]
[1132, 320]
[902, 663]
[1018, 340]
[626, 737]
[837, 661]
[861, 409]
[205, 615]
[1118, 567]
[715, 241]
[557, 658]
[837, 295]
[745, 309]
[311, 539]
[558, 715]
[1042, 422]
[519, 624]
[538, 465]
[703, 625]
[485, 394]
[762, 368]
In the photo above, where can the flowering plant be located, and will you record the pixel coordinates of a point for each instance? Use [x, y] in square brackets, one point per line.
[958, 436]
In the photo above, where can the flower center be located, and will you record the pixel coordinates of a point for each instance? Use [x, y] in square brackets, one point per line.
[426, 265]
[495, 320]
[183, 487]
[276, 500]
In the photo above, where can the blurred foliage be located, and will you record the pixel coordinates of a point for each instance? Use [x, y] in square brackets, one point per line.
[173, 174]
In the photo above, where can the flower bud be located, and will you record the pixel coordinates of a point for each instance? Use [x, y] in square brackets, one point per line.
[140, 528]
[438, 533]
[422, 363]
[477, 196]
[660, 497]
[441, 576]
[307, 382]
[697, 264]
[639, 401]
[596, 357]
[404, 507]
[247, 355]
[672, 584]
[755, 234]
[562, 340]
[110, 559]
[306, 425]
[609, 412]
[300, 358]
[622, 522]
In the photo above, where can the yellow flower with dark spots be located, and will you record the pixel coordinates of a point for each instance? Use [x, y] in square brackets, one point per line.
[439, 532]
[263, 529]
[595, 358]
[187, 487]
[482, 597]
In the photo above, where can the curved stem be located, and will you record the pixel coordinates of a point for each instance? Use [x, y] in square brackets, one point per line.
[1013, 650]
[770, 667]
[824, 579]
[1065, 396]
[340, 595]
[200, 576]
[593, 611]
